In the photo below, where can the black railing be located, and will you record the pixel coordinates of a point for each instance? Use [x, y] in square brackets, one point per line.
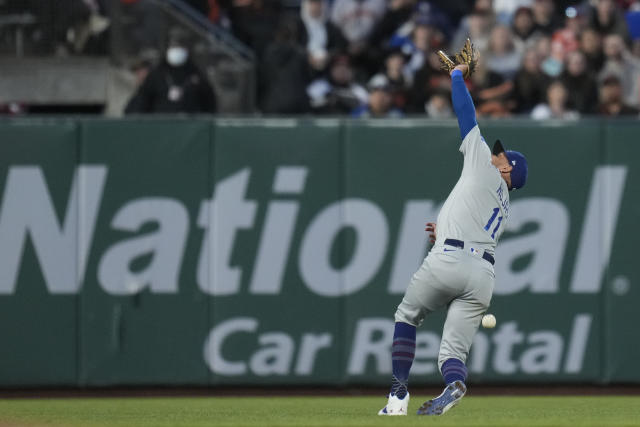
[218, 33]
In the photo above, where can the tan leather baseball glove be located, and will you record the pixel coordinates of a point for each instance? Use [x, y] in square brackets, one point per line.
[468, 56]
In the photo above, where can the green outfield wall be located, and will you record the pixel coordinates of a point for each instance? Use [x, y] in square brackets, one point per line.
[272, 252]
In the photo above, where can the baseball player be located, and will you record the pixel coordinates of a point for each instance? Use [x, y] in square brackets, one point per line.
[458, 271]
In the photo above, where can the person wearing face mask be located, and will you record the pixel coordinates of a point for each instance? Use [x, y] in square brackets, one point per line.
[175, 85]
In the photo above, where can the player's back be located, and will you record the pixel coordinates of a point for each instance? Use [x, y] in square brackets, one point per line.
[478, 205]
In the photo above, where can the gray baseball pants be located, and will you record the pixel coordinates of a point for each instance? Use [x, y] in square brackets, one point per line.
[459, 279]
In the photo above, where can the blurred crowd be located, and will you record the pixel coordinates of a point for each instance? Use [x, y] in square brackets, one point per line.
[377, 58]
[61, 27]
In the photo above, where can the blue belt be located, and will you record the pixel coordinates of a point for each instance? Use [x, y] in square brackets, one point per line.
[460, 244]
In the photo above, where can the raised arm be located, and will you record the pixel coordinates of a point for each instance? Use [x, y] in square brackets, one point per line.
[462, 103]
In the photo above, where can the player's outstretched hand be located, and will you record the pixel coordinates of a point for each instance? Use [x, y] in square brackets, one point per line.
[462, 67]
[431, 229]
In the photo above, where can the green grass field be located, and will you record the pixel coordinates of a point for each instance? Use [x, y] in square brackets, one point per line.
[318, 411]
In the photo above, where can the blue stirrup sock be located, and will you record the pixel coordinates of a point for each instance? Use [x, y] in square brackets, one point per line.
[402, 355]
[453, 370]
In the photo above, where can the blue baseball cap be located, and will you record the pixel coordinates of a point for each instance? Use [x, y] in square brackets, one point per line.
[519, 163]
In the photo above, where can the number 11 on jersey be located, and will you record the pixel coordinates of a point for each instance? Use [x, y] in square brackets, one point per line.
[493, 218]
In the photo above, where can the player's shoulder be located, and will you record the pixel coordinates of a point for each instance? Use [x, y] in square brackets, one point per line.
[473, 134]
[474, 142]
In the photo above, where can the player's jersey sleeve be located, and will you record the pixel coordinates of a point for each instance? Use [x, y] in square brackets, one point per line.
[475, 150]
[462, 104]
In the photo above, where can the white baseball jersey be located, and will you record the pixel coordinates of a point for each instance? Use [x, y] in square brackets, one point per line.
[477, 208]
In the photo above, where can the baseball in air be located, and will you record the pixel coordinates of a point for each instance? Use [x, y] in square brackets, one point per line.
[488, 321]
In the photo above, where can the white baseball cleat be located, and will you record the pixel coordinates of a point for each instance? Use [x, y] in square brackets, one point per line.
[395, 406]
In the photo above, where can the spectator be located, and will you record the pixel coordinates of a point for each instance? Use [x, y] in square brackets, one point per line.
[568, 36]
[357, 19]
[398, 77]
[611, 99]
[485, 5]
[632, 18]
[619, 61]
[591, 46]
[607, 19]
[580, 83]
[506, 10]
[380, 102]
[427, 11]
[530, 83]
[285, 72]
[544, 16]
[556, 105]
[439, 105]
[476, 26]
[398, 13]
[338, 93]
[416, 39]
[321, 38]
[553, 57]
[523, 28]
[492, 93]
[175, 85]
[502, 57]
[542, 47]
[425, 38]
[427, 80]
